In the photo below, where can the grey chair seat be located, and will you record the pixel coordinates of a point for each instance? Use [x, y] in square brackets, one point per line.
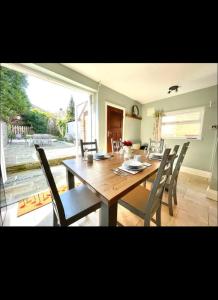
[72, 205]
[145, 203]
[78, 203]
[136, 200]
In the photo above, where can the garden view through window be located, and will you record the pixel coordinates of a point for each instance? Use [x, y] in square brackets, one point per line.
[39, 111]
[35, 110]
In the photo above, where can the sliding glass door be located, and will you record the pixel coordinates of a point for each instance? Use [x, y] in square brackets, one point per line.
[84, 118]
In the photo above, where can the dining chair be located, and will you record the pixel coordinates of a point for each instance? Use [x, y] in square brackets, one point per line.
[73, 204]
[175, 150]
[116, 145]
[84, 145]
[171, 184]
[156, 146]
[145, 203]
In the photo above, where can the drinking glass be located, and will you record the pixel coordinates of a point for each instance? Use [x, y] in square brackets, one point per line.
[86, 153]
[147, 152]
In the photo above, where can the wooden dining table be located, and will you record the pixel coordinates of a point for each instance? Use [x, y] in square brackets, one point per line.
[110, 187]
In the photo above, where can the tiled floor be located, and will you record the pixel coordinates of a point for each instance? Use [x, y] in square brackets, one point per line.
[193, 209]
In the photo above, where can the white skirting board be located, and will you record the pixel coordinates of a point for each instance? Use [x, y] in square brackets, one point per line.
[212, 194]
[196, 172]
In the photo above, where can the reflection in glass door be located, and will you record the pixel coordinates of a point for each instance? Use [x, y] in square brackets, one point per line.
[84, 119]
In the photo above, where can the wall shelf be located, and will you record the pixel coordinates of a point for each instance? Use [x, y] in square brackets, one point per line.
[133, 116]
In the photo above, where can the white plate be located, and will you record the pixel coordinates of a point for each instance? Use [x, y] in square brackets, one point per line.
[131, 171]
[157, 154]
[99, 154]
[136, 168]
[132, 164]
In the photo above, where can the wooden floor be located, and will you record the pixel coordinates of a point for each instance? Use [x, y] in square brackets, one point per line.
[193, 209]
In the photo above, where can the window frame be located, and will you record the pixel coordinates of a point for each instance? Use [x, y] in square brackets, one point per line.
[178, 112]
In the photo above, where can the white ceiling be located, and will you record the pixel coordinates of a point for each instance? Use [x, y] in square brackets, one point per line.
[146, 82]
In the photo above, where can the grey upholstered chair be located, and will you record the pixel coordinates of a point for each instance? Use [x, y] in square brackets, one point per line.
[72, 205]
[156, 146]
[171, 184]
[152, 178]
[175, 150]
[145, 203]
[116, 145]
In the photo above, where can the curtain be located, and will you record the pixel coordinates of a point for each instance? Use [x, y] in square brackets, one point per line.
[157, 127]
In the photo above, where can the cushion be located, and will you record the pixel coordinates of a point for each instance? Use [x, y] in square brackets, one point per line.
[136, 146]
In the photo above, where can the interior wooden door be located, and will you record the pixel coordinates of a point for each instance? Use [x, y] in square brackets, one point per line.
[114, 125]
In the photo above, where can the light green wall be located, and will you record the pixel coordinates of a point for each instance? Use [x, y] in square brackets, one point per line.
[199, 154]
[132, 126]
[213, 182]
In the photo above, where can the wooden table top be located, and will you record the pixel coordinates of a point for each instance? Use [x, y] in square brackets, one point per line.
[101, 178]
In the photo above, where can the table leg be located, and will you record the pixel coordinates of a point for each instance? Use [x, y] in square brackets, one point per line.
[70, 180]
[108, 214]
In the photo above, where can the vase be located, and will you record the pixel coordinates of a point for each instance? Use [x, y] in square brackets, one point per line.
[121, 151]
[127, 152]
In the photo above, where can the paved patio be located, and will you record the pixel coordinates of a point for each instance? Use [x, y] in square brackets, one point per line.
[19, 152]
[24, 184]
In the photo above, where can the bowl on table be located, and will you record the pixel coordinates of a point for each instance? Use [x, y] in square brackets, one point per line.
[99, 155]
[133, 165]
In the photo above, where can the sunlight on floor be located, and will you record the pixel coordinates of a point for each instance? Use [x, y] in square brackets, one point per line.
[193, 209]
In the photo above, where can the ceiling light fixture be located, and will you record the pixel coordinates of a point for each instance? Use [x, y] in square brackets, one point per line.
[173, 88]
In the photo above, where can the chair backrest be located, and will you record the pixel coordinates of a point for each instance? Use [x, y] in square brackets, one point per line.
[156, 146]
[179, 162]
[116, 145]
[58, 207]
[86, 144]
[175, 150]
[155, 196]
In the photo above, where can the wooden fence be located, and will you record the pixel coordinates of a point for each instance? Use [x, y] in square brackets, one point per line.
[23, 130]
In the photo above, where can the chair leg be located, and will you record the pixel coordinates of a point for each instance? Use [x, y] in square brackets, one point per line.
[55, 220]
[144, 183]
[170, 201]
[119, 224]
[147, 221]
[158, 216]
[175, 193]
